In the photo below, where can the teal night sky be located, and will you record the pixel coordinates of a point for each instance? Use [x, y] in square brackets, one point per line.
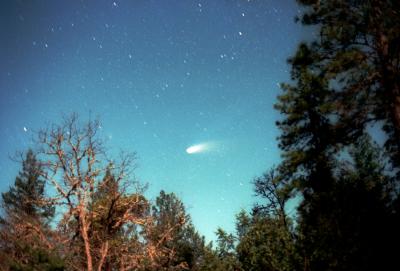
[162, 75]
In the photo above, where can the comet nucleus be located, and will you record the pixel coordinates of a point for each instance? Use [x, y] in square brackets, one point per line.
[196, 148]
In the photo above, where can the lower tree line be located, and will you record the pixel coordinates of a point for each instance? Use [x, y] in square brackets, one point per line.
[88, 217]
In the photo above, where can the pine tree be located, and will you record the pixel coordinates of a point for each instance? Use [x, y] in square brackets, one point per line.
[358, 51]
[266, 239]
[308, 138]
[184, 243]
[27, 241]
[226, 251]
[266, 245]
[26, 197]
[358, 232]
[346, 79]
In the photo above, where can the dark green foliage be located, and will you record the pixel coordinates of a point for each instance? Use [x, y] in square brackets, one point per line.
[358, 51]
[267, 245]
[308, 134]
[109, 205]
[225, 243]
[343, 81]
[40, 260]
[25, 242]
[188, 246]
[275, 193]
[309, 142]
[226, 251]
[243, 223]
[354, 230]
[266, 238]
[25, 198]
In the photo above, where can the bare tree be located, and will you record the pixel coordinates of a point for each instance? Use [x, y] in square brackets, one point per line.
[75, 166]
[270, 187]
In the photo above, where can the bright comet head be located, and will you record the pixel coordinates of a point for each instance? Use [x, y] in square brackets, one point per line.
[196, 148]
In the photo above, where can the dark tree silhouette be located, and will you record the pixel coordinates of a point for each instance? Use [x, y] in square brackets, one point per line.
[26, 239]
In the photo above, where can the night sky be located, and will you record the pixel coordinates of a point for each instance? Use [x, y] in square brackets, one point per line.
[162, 76]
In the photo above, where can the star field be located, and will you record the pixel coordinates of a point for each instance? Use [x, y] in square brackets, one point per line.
[162, 76]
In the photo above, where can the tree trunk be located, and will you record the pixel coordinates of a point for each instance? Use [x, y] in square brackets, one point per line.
[391, 88]
[84, 232]
[395, 118]
[104, 252]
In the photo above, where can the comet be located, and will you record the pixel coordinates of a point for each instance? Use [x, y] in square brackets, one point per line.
[197, 148]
